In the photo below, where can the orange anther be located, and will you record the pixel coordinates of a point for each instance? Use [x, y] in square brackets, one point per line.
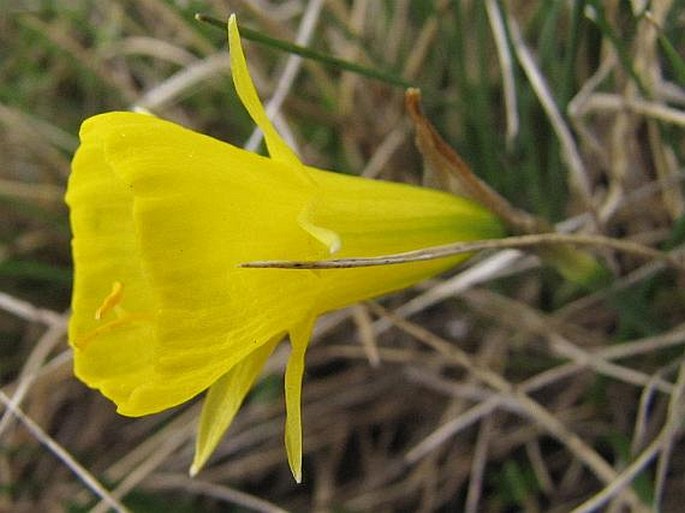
[112, 300]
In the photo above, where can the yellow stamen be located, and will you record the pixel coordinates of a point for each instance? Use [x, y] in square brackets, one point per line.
[112, 300]
[81, 342]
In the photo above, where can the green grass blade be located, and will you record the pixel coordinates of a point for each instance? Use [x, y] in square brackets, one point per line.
[308, 53]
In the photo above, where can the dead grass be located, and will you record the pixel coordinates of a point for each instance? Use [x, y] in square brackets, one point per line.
[498, 388]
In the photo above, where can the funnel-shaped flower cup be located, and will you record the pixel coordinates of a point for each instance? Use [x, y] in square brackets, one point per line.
[162, 217]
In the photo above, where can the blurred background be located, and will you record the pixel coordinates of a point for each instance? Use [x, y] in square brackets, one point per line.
[498, 387]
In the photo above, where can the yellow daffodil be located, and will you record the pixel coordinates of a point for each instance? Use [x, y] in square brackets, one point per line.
[162, 218]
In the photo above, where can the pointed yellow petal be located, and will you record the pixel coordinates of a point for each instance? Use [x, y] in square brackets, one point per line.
[299, 339]
[245, 88]
[223, 400]
[278, 149]
[327, 237]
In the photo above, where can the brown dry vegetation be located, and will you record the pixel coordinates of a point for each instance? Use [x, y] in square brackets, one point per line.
[496, 388]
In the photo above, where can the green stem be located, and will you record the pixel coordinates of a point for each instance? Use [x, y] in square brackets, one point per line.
[308, 53]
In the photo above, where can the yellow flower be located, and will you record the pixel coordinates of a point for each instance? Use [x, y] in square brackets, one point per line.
[163, 216]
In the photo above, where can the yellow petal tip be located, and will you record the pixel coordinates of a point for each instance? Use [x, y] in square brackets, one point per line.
[194, 469]
[325, 236]
[198, 463]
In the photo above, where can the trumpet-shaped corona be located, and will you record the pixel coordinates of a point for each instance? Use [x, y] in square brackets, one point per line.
[162, 217]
